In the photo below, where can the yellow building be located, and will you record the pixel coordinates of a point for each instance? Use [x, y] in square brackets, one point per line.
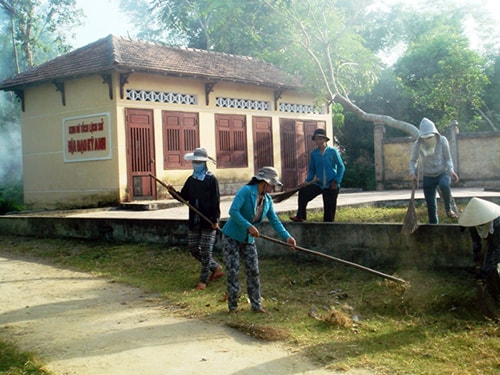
[100, 120]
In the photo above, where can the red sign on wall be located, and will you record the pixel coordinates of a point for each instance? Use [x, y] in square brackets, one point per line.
[87, 138]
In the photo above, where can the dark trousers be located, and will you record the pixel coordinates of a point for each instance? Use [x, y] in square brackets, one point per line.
[308, 193]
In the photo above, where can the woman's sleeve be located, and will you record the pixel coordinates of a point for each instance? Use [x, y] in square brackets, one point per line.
[413, 158]
[216, 199]
[184, 193]
[447, 155]
[237, 206]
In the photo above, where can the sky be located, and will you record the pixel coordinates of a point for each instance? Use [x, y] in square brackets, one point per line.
[103, 17]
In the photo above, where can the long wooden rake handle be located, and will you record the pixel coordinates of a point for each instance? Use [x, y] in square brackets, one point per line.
[338, 260]
[284, 195]
[303, 249]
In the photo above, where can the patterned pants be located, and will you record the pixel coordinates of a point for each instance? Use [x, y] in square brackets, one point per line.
[232, 252]
[201, 243]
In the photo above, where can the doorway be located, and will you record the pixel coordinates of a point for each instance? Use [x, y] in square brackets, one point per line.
[140, 154]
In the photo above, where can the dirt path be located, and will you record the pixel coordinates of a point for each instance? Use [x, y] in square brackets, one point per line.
[80, 324]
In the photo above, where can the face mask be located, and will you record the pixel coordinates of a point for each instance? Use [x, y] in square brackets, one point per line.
[199, 171]
[428, 145]
[485, 229]
[198, 168]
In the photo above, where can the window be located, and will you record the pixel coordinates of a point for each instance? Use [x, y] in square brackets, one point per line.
[231, 141]
[180, 136]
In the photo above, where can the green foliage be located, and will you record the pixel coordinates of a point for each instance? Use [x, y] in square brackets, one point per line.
[356, 145]
[15, 362]
[148, 24]
[38, 29]
[11, 197]
[491, 95]
[443, 77]
[204, 24]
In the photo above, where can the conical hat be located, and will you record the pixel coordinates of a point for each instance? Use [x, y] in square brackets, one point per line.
[478, 212]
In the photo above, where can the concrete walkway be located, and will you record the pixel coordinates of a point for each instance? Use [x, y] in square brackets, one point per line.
[179, 211]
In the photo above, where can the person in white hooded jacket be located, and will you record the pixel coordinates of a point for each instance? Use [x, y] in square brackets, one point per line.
[432, 153]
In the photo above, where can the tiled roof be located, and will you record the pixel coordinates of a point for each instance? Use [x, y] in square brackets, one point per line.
[115, 53]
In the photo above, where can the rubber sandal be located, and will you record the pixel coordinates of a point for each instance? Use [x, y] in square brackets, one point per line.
[452, 215]
[201, 286]
[296, 219]
[217, 274]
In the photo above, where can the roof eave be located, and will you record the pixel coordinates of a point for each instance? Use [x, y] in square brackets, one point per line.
[128, 69]
[124, 69]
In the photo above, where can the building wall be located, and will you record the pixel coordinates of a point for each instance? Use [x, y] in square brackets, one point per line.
[229, 178]
[49, 180]
[55, 179]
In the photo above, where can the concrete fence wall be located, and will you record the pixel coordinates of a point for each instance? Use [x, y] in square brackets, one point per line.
[475, 156]
[371, 245]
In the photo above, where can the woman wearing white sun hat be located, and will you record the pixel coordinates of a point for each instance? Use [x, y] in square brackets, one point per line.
[483, 220]
[201, 191]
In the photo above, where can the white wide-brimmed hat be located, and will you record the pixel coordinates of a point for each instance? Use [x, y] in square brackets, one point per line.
[199, 154]
[268, 174]
[478, 212]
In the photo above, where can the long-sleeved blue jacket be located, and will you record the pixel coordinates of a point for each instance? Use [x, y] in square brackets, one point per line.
[327, 167]
[242, 212]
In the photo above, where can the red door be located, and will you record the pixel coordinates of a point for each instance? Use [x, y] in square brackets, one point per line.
[293, 156]
[296, 146]
[262, 142]
[140, 154]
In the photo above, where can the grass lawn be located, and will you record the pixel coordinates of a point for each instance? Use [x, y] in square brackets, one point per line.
[340, 317]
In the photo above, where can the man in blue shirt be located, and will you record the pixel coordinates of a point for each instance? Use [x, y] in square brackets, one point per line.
[327, 166]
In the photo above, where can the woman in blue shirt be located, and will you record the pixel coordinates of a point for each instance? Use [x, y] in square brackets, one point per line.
[251, 205]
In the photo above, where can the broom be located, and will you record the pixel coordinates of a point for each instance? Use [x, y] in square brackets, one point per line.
[410, 222]
[280, 197]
